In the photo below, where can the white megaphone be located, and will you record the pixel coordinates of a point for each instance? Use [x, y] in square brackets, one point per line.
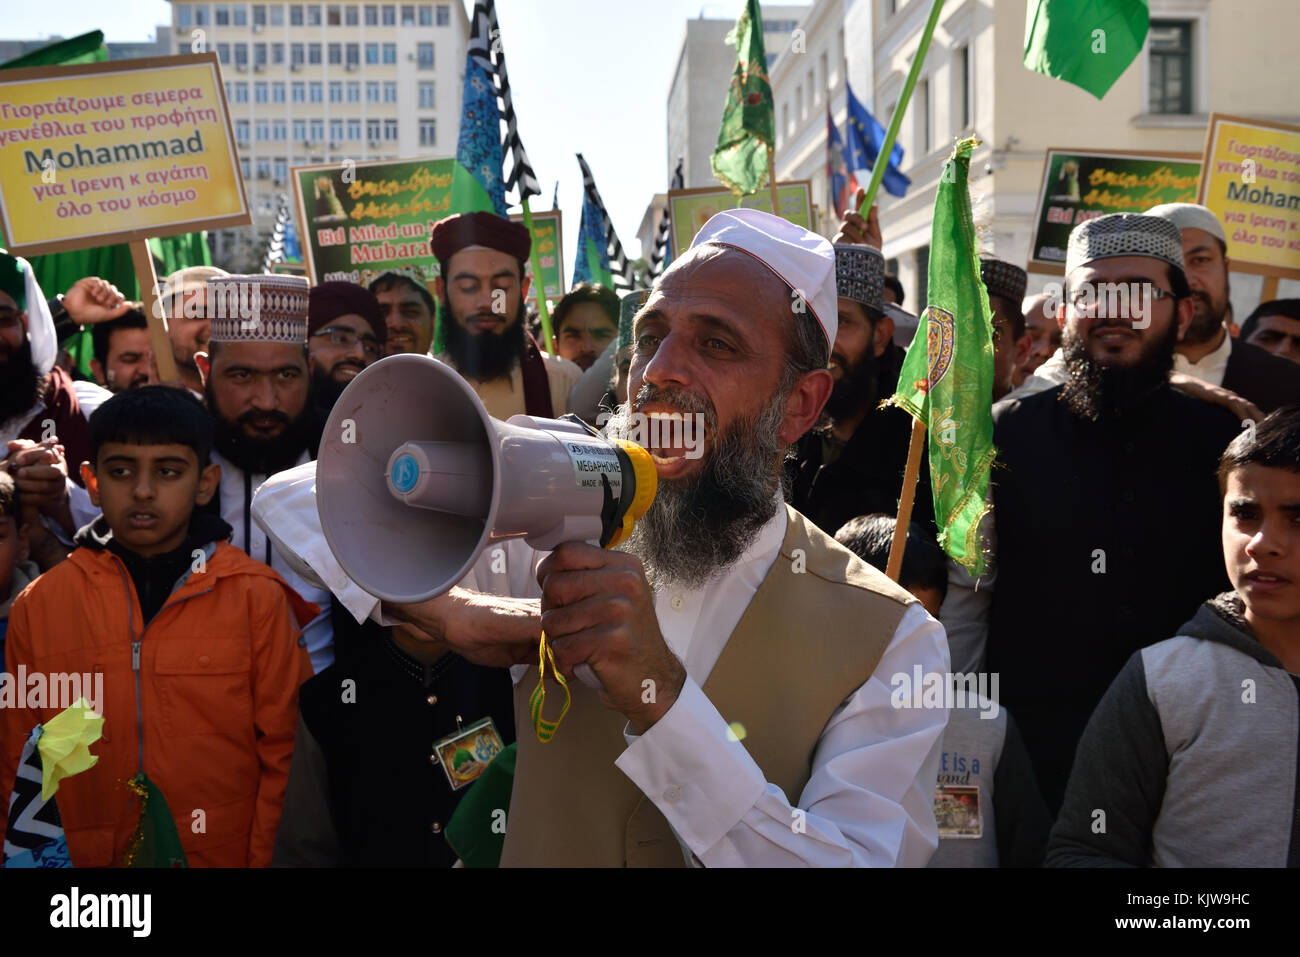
[414, 479]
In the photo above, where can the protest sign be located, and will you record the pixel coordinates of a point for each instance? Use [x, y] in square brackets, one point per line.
[1078, 186]
[99, 153]
[692, 208]
[548, 242]
[1252, 184]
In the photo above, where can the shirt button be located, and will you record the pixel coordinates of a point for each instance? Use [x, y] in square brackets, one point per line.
[432, 699]
[672, 794]
[436, 827]
[678, 602]
[204, 660]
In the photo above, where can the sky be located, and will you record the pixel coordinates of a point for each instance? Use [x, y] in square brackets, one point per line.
[588, 76]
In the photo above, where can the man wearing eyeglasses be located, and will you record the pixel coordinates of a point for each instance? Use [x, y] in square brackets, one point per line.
[1105, 504]
[345, 333]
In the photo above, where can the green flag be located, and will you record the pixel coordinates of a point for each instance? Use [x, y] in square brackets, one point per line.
[1085, 42]
[740, 161]
[947, 377]
[87, 48]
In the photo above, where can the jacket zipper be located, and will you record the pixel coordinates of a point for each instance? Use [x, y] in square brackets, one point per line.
[135, 651]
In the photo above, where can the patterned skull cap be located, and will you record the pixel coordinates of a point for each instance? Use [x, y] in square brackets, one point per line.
[1002, 278]
[1124, 234]
[629, 306]
[258, 308]
[860, 274]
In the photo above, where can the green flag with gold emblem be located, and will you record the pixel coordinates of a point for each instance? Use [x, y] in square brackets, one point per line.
[947, 377]
[746, 134]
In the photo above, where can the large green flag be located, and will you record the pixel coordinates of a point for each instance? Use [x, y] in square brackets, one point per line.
[740, 161]
[1089, 43]
[947, 377]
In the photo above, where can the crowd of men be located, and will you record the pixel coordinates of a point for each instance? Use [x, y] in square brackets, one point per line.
[745, 644]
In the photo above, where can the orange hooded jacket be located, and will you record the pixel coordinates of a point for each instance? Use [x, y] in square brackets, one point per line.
[209, 713]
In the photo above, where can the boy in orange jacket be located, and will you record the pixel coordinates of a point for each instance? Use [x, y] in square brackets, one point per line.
[196, 648]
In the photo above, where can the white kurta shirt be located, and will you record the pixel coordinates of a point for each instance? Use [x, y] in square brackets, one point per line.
[870, 797]
[236, 501]
[1212, 367]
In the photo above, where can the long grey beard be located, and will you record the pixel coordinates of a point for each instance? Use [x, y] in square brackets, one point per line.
[700, 526]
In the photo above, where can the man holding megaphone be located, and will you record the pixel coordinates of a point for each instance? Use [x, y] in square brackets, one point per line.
[733, 702]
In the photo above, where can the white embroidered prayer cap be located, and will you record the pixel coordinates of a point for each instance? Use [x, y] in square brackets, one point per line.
[1190, 216]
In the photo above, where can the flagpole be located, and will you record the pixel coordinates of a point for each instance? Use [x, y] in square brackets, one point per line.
[771, 180]
[910, 476]
[538, 280]
[882, 158]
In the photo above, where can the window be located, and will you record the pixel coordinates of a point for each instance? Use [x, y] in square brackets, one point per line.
[350, 15]
[241, 131]
[334, 15]
[798, 103]
[240, 91]
[277, 16]
[390, 92]
[313, 53]
[317, 93]
[427, 99]
[281, 168]
[428, 132]
[354, 54]
[923, 116]
[389, 15]
[184, 16]
[263, 167]
[277, 92]
[426, 15]
[826, 77]
[354, 92]
[259, 54]
[336, 131]
[259, 93]
[313, 15]
[390, 53]
[408, 15]
[812, 90]
[372, 15]
[444, 14]
[372, 53]
[299, 92]
[261, 130]
[259, 15]
[336, 54]
[354, 130]
[221, 16]
[241, 54]
[278, 130]
[1169, 43]
[372, 91]
[424, 56]
[372, 130]
[300, 130]
[246, 167]
[277, 53]
[201, 15]
[963, 86]
[296, 55]
[223, 53]
[785, 118]
[336, 91]
[295, 15]
[891, 7]
[390, 129]
[317, 131]
[239, 15]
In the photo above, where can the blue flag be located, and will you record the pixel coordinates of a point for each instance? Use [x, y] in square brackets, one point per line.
[592, 261]
[837, 167]
[478, 148]
[865, 137]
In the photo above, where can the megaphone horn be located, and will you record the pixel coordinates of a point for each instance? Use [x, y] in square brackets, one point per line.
[414, 479]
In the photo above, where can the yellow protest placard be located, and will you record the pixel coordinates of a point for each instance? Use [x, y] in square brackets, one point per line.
[1250, 178]
[100, 153]
[692, 208]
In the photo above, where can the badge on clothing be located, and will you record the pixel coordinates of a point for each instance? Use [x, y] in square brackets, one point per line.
[466, 752]
[957, 810]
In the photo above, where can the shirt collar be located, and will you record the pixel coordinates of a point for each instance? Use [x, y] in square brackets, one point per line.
[1212, 360]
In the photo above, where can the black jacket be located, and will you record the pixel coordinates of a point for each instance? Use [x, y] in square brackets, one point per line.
[1265, 379]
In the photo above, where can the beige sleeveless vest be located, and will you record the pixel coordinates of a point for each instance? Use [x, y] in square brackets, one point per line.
[811, 636]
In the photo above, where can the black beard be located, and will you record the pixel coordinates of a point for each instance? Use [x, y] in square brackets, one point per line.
[855, 389]
[487, 355]
[262, 456]
[1100, 392]
[700, 526]
[20, 383]
[325, 390]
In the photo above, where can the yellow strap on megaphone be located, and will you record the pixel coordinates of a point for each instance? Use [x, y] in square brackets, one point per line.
[546, 729]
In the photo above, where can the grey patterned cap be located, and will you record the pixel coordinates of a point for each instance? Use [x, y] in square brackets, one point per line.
[1124, 234]
[859, 274]
[1002, 278]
